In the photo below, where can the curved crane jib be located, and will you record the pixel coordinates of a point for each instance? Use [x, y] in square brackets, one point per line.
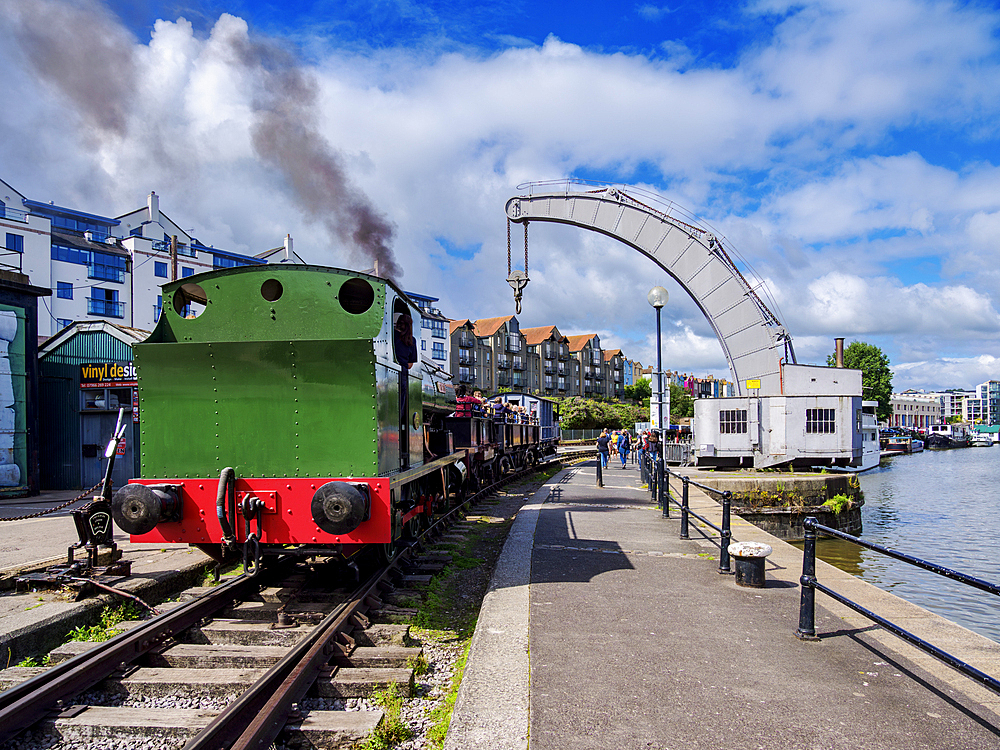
[752, 338]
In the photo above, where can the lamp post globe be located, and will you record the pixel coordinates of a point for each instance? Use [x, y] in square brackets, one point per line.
[657, 297]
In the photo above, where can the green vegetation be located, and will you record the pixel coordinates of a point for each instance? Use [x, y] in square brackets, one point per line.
[418, 664]
[761, 498]
[876, 377]
[107, 628]
[392, 730]
[228, 571]
[441, 716]
[31, 661]
[643, 389]
[838, 503]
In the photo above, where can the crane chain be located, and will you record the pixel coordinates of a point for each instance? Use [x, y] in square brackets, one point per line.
[508, 247]
[41, 513]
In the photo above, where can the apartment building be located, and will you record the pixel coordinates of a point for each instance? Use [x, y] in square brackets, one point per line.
[435, 338]
[550, 369]
[103, 267]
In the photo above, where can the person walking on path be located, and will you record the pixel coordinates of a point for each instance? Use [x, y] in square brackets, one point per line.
[602, 448]
[623, 447]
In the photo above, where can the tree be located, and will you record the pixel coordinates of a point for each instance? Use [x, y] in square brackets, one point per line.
[642, 389]
[681, 403]
[876, 377]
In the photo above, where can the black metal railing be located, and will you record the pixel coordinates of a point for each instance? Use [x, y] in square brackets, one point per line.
[652, 469]
[810, 585]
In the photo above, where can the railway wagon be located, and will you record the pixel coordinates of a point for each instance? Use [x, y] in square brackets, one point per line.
[280, 412]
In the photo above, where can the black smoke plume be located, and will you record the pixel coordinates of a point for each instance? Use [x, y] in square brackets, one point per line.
[284, 134]
[79, 48]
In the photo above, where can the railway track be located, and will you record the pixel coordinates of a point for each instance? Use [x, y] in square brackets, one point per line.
[239, 658]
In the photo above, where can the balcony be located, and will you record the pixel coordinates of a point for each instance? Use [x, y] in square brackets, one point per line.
[102, 272]
[518, 363]
[466, 341]
[464, 376]
[503, 378]
[513, 344]
[439, 333]
[563, 352]
[466, 358]
[550, 369]
[549, 352]
[105, 308]
[14, 214]
[503, 362]
[596, 357]
[182, 249]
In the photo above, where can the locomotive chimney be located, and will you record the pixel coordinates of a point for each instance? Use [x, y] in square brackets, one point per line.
[840, 351]
[288, 247]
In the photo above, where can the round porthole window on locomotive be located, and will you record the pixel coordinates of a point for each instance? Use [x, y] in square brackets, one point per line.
[271, 290]
[356, 296]
[190, 300]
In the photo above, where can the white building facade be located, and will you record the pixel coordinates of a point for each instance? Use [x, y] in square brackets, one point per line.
[103, 268]
[915, 411]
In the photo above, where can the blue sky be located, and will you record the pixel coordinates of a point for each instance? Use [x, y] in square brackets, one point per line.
[847, 149]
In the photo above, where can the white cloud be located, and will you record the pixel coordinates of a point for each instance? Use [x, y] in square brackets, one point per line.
[797, 127]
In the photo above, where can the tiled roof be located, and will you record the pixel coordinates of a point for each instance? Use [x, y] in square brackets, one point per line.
[576, 343]
[489, 326]
[609, 354]
[533, 336]
[454, 325]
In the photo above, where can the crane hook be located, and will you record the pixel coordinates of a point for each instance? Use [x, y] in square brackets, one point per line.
[518, 279]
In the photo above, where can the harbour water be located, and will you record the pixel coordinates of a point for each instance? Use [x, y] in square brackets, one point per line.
[941, 506]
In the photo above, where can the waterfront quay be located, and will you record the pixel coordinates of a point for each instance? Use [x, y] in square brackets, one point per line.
[603, 629]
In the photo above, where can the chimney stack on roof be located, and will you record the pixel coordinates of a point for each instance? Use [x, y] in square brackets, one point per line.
[153, 204]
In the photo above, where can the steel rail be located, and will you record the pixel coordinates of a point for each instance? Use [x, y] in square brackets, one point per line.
[29, 702]
[255, 719]
[262, 710]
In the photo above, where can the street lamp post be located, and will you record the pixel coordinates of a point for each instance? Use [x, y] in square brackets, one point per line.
[657, 297]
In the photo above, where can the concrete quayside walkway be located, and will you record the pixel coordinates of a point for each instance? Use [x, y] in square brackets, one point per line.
[603, 629]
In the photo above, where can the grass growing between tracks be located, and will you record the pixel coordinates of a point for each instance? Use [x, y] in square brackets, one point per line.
[392, 730]
[441, 715]
[107, 627]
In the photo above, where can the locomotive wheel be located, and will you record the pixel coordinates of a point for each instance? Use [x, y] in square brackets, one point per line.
[387, 552]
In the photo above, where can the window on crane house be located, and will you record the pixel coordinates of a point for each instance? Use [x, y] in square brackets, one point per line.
[821, 420]
[732, 421]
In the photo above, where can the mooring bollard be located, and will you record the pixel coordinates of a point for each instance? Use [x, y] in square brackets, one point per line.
[750, 557]
[807, 602]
